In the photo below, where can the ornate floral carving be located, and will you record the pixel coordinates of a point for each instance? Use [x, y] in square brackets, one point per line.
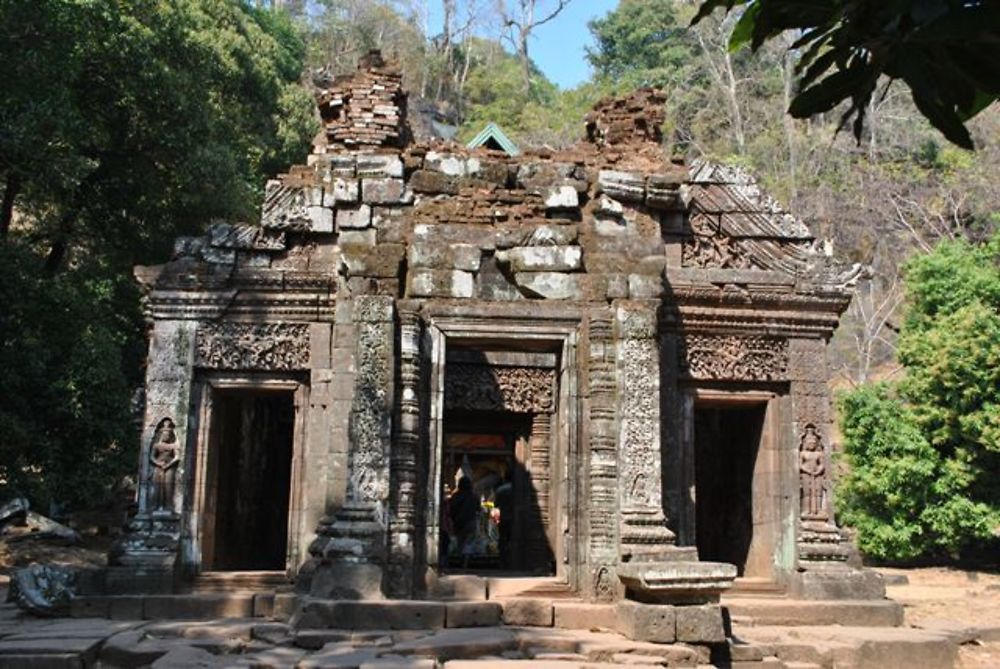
[268, 346]
[370, 426]
[496, 388]
[733, 357]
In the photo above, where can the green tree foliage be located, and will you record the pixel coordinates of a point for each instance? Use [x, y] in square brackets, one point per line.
[924, 453]
[122, 124]
[70, 348]
[643, 43]
[947, 52]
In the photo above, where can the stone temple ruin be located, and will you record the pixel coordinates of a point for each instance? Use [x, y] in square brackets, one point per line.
[624, 354]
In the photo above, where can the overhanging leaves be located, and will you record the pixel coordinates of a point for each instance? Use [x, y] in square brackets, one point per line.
[948, 53]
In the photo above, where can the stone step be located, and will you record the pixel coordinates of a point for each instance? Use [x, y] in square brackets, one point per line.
[853, 647]
[190, 606]
[755, 611]
[235, 581]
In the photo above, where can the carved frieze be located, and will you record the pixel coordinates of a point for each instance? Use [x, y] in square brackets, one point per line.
[733, 357]
[716, 251]
[250, 346]
[499, 388]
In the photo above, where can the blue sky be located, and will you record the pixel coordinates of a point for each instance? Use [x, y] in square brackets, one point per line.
[558, 46]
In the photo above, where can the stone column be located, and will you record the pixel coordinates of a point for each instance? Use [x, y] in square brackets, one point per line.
[603, 442]
[822, 551]
[403, 461]
[149, 549]
[644, 534]
[349, 553]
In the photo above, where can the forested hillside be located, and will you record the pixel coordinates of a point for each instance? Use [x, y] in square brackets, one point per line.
[127, 123]
[902, 188]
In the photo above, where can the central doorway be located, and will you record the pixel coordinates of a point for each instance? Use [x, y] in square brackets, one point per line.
[734, 503]
[497, 523]
[248, 480]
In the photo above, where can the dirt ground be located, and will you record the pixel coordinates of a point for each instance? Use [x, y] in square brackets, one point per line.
[91, 553]
[968, 597]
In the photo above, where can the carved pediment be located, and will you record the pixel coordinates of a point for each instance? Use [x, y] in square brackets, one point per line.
[733, 224]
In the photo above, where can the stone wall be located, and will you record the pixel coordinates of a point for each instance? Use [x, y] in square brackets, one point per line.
[672, 275]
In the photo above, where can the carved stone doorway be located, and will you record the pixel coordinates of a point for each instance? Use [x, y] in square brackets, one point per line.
[247, 480]
[494, 450]
[737, 481]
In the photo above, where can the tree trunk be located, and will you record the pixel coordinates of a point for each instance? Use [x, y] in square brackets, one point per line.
[7, 208]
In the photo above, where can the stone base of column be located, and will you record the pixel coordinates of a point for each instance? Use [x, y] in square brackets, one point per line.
[346, 557]
[144, 559]
[645, 537]
[658, 623]
[836, 580]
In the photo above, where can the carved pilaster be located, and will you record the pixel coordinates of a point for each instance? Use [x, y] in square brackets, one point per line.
[644, 534]
[403, 463]
[603, 455]
[539, 445]
[348, 554]
[819, 539]
[370, 427]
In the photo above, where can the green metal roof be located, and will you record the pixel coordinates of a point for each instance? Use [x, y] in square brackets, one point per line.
[493, 132]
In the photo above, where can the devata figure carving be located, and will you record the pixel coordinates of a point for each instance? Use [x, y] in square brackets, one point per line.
[164, 456]
[812, 468]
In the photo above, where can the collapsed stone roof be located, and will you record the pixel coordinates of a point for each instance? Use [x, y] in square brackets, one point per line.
[611, 217]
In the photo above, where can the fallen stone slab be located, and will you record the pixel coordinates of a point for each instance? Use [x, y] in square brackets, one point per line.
[13, 510]
[83, 648]
[43, 590]
[133, 649]
[272, 658]
[41, 661]
[339, 656]
[186, 657]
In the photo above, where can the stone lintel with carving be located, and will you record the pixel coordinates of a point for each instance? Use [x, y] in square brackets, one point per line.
[477, 387]
[233, 345]
[733, 357]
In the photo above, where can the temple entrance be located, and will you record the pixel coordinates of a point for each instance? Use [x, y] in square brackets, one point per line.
[496, 523]
[497, 494]
[248, 480]
[732, 479]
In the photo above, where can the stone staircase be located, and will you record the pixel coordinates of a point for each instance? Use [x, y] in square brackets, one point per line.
[530, 622]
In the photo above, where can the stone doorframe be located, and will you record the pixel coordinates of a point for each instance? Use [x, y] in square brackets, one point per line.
[206, 386]
[776, 465]
[566, 461]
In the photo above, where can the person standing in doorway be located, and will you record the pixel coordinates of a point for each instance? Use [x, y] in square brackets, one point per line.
[464, 509]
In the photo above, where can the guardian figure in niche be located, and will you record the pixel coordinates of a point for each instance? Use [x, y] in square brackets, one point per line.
[164, 456]
[812, 468]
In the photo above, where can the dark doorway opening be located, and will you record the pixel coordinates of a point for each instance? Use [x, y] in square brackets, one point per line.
[497, 525]
[249, 477]
[727, 440]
